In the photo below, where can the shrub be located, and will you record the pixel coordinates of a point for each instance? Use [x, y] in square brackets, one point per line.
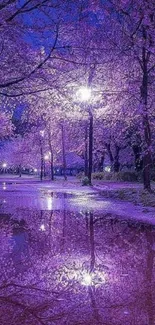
[85, 181]
[99, 175]
[80, 175]
[126, 176]
[153, 174]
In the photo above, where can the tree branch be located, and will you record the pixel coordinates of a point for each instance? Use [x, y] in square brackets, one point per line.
[13, 82]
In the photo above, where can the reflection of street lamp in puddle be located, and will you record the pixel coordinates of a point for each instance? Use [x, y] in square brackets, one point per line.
[84, 94]
[86, 279]
[88, 273]
[93, 274]
[4, 186]
[49, 201]
[95, 278]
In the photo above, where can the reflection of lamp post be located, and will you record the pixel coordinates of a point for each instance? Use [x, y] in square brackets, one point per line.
[84, 94]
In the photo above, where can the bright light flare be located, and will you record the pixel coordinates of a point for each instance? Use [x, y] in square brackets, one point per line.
[42, 227]
[107, 169]
[84, 94]
[46, 157]
[86, 279]
[42, 132]
[4, 165]
[4, 186]
[95, 278]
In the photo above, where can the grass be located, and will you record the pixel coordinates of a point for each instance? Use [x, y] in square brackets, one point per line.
[134, 195]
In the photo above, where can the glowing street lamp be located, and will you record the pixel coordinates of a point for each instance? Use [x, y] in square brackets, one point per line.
[4, 166]
[42, 132]
[46, 157]
[42, 227]
[84, 94]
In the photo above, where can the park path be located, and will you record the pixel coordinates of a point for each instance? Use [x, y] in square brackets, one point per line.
[29, 193]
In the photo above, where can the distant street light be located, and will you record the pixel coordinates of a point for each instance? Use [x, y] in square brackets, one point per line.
[42, 132]
[4, 166]
[42, 227]
[84, 95]
[46, 157]
[107, 169]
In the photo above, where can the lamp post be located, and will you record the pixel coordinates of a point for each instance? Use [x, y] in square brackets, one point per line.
[41, 154]
[84, 94]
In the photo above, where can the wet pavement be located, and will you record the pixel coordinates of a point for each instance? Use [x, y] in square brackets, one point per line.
[67, 259]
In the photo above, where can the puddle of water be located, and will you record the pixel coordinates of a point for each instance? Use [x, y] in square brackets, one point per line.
[69, 266]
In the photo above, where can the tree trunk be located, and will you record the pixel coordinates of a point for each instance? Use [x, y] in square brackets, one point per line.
[116, 163]
[86, 151]
[146, 126]
[42, 163]
[138, 157]
[44, 169]
[51, 153]
[149, 294]
[92, 243]
[147, 160]
[101, 162]
[110, 155]
[116, 166]
[20, 171]
[63, 151]
[51, 165]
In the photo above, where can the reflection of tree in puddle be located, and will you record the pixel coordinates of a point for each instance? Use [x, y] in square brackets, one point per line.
[87, 273]
[150, 286]
[80, 269]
